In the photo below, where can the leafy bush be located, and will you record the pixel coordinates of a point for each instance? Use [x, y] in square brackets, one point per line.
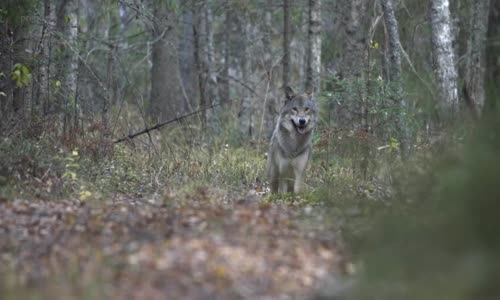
[447, 246]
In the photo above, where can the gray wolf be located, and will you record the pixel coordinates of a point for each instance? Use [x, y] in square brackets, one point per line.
[291, 143]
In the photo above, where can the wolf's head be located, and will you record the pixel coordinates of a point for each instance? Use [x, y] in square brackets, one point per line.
[300, 110]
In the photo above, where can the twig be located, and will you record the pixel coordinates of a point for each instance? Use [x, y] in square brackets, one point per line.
[412, 67]
[159, 125]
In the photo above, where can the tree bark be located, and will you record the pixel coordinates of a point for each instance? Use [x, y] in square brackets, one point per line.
[356, 35]
[493, 59]
[246, 113]
[475, 60]
[394, 76]
[41, 84]
[224, 92]
[286, 42]
[166, 97]
[353, 32]
[270, 101]
[199, 66]
[110, 70]
[212, 91]
[313, 80]
[444, 58]
[187, 59]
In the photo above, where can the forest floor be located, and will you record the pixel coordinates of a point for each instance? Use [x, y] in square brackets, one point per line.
[202, 244]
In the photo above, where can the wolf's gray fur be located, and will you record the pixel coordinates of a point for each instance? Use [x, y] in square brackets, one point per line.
[291, 143]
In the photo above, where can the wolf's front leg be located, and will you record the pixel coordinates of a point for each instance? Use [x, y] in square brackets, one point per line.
[283, 186]
[299, 170]
[297, 185]
[274, 180]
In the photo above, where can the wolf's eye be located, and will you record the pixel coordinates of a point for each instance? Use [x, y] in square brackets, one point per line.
[307, 109]
[295, 109]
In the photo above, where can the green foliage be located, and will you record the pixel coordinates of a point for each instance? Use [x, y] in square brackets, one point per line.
[21, 75]
[16, 12]
[447, 245]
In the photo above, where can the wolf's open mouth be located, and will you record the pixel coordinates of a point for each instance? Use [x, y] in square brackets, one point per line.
[301, 129]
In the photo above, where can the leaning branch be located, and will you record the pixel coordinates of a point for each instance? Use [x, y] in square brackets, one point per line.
[159, 125]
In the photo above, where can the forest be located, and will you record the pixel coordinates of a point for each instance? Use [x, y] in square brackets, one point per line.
[138, 139]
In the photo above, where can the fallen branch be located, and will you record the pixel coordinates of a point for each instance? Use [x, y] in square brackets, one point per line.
[159, 125]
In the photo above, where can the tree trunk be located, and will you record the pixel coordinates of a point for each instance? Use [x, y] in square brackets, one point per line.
[165, 102]
[356, 35]
[246, 113]
[224, 92]
[187, 58]
[493, 58]
[444, 57]
[355, 70]
[313, 83]
[475, 59]
[66, 62]
[110, 87]
[353, 32]
[212, 91]
[41, 84]
[286, 42]
[270, 100]
[394, 76]
[19, 93]
[197, 26]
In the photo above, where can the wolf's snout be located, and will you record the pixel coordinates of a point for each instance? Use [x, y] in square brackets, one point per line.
[302, 122]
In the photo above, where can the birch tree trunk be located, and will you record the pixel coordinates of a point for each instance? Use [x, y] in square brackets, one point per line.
[475, 59]
[286, 42]
[197, 29]
[212, 91]
[444, 57]
[394, 76]
[313, 80]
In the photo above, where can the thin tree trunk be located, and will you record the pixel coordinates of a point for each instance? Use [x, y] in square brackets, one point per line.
[286, 42]
[493, 59]
[270, 101]
[18, 55]
[187, 59]
[199, 67]
[212, 91]
[475, 61]
[66, 63]
[224, 79]
[40, 85]
[394, 76]
[444, 57]
[108, 99]
[246, 113]
[313, 83]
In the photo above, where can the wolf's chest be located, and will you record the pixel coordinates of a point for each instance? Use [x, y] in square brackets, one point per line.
[294, 145]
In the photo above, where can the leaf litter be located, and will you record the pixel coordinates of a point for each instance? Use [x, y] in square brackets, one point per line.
[200, 245]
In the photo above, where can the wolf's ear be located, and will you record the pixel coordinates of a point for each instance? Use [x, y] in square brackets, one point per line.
[310, 94]
[289, 93]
